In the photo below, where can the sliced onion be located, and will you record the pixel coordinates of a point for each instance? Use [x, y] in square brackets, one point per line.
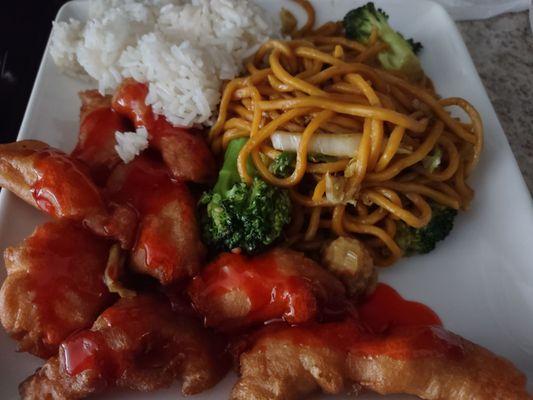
[342, 145]
[335, 188]
[339, 191]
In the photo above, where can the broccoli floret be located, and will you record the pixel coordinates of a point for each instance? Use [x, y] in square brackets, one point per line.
[283, 165]
[235, 215]
[400, 55]
[415, 46]
[423, 240]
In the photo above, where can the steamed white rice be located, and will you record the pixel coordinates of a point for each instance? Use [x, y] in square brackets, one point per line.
[183, 50]
[131, 144]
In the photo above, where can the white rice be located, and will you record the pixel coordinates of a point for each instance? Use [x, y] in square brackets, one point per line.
[183, 50]
[131, 144]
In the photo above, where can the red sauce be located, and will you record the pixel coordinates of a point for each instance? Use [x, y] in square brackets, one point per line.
[148, 187]
[96, 144]
[83, 351]
[161, 253]
[130, 100]
[62, 188]
[89, 350]
[162, 128]
[388, 325]
[66, 269]
[271, 292]
[127, 336]
[173, 142]
[385, 309]
[406, 342]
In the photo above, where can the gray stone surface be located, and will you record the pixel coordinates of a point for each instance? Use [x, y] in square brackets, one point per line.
[502, 49]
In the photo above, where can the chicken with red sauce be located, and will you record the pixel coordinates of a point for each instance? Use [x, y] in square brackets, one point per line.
[235, 291]
[296, 328]
[167, 244]
[61, 186]
[172, 142]
[409, 353]
[54, 286]
[138, 344]
[96, 141]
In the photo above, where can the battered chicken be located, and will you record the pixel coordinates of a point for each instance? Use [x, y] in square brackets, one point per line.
[168, 245]
[235, 291]
[96, 141]
[139, 344]
[53, 182]
[172, 142]
[54, 286]
[426, 361]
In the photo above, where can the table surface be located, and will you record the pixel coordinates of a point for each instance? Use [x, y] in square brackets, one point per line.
[502, 49]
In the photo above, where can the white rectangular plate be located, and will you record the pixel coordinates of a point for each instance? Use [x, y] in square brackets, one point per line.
[480, 280]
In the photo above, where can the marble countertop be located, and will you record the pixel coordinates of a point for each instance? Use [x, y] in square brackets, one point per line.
[502, 49]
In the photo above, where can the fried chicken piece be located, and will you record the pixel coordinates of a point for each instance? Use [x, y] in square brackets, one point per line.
[51, 181]
[168, 245]
[139, 344]
[426, 361]
[92, 100]
[54, 286]
[236, 291]
[184, 151]
[96, 141]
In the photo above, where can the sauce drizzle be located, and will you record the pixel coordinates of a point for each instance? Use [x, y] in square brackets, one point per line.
[386, 309]
[269, 292]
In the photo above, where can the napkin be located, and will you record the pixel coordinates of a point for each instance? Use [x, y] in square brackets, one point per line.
[481, 9]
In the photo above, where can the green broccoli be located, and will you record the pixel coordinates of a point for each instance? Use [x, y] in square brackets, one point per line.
[400, 55]
[415, 46]
[283, 165]
[235, 215]
[423, 240]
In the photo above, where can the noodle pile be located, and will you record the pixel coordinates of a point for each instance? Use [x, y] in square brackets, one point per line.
[322, 83]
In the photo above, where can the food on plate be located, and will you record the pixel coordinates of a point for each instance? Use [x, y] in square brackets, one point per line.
[236, 292]
[426, 361]
[182, 50]
[57, 184]
[167, 244]
[139, 344]
[96, 141]
[54, 286]
[398, 54]
[241, 216]
[231, 196]
[393, 345]
[199, 166]
[422, 240]
[363, 150]
[115, 272]
[349, 260]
